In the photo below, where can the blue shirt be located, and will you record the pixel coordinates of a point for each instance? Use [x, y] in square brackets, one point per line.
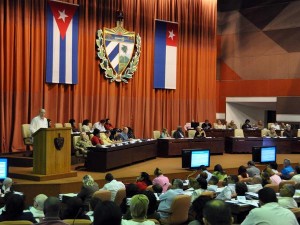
[166, 201]
[286, 171]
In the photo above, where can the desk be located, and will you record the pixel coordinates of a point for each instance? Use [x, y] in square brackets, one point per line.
[284, 145]
[103, 159]
[173, 147]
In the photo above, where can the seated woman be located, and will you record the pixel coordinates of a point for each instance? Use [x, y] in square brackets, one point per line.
[164, 133]
[89, 187]
[85, 126]
[219, 125]
[242, 174]
[275, 179]
[219, 172]
[138, 208]
[74, 209]
[96, 140]
[73, 125]
[143, 181]
[14, 209]
[83, 143]
[160, 179]
[272, 133]
[265, 178]
[200, 133]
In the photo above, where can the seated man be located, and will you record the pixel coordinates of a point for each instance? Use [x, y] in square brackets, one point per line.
[123, 136]
[286, 200]
[99, 125]
[167, 198]
[288, 131]
[200, 133]
[276, 126]
[206, 125]
[252, 170]
[178, 133]
[217, 212]
[38, 206]
[232, 125]
[112, 185]
[83, 143]
[259, 125]
[96, 140]
[272, 133]
[247, 124]
[287, 172]
[270, 211]
[105, 138]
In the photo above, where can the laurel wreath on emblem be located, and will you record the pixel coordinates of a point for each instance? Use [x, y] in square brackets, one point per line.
[109, 72]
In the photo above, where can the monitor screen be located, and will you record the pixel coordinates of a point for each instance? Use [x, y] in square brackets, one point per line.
[200, 157]
[3, 168]
[268, 154]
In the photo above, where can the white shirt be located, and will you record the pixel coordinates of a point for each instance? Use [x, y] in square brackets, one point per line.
[113, 187]
[270, 214]
[131, 222]
[287, 202]
[296, 178]
[37, 123]
[99, 126]
[254, 187]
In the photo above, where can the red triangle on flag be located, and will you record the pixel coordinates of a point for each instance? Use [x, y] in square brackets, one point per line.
[63, 14]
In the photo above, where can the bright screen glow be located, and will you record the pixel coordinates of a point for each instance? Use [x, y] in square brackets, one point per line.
[200, 157]
[3, 168]
[268, 154]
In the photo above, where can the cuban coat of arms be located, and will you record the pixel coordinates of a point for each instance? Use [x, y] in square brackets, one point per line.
[119, 52]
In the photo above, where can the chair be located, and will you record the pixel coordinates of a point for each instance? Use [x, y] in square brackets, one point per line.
[275, 187]
[191, 133]
[77, 222]
[120, 195]
[58, 125]
[172, 132]
[91, 126]
[156, 134]
[264, 132]
[26, 134]
[238, 133]
[296, 211]
[210, 194]
[80, 126]
[283, 182]
[67, 125]
[16, 222]
[179, 211]
[281, 133]
[298, 133]
[104, 195]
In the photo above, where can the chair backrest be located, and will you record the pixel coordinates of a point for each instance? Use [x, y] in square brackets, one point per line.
[58, 125]
[77, 221]
[283, 182]
[191, 133]
[25, 128]
[281, 133]
[90, 126]
[91, 135]
[298, 133]
[120, 195]
[104, 195]
[75, 139]
[264, 132]
[156, 134]
[210, 194]
[67, 125]
[16, 222]
[172, 132]
[180, 209]
[238, 133]
[275, 187]
[296, 211]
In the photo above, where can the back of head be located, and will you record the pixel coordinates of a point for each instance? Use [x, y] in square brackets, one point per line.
[7, 182]
[15, 204]
[202, 183]
[131, 190]
[107, 212]
[157, 172]
[202, 168]
[71, 121]
[286, 162]
[152, 206]
[241, 188]
[267, 195]
[39, 201]
[287, 190]
[88, 180]
[139, 206]
[157, 188]
[213, 180]
[218, 168]
[74, 208]
[109, 177]
[177, 183]
[216, 212]
[251, 163]
[51, 207]
[96, 131]
[274, 165]
[198, 205]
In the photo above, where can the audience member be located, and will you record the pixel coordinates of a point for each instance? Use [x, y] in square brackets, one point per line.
[242, 174]
[213, 184]
[287, 172]
[107, 212]
[131, 190]
[202, 183]
[138, 208]
[274, 167]
[88, 188]
[96, 140]
[73, 126]
[200, 133]
[247, 124]
[286, 200]
[288, 131]
[164, 133]
[229, 191]
[52, 207]
[178, 133]
[270, 211]
[219, 172]
[157, 188]
[203, 169]
[108, 125]
[38, 206]
[252, 170]
[219, 125]
[273, 177]
[241, 189]
[217, 212]
[265, 177]
[85, 126]
[38, 122]
[232, 125]
[206, 125]
[196, 209]
[7, 186]
[143, 181]
[14, 209]
[255, 184]
[112, 185]
[167, 198]
[49, 123]
[74, 209]
[296, 177]
[99, 125]
[160, 179]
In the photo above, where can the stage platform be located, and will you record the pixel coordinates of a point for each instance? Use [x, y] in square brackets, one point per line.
[170, 166]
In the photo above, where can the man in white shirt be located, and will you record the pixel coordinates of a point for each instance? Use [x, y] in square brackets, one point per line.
[38, 122]
[270, 211]
[112, 185]
[286, 199]
[100, 126]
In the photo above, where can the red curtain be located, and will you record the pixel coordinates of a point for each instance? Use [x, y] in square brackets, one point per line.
[136, 104]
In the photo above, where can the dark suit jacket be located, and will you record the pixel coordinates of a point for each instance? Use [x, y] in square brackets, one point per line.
[24, 216]
[178, 134]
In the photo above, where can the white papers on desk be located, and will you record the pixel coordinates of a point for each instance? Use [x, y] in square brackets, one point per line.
[252, 194]
[247, 202]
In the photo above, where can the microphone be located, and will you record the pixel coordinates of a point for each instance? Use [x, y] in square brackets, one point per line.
[78, 213]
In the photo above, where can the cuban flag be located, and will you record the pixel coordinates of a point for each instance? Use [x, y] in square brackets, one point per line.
[165, 54]
[62, 43]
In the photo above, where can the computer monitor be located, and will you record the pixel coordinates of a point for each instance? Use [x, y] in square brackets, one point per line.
[195, 125]
[3, 168]
[194, 158]
[264, 154]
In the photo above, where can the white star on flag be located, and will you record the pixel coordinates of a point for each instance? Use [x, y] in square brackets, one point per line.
[62, 15]
[171, 34]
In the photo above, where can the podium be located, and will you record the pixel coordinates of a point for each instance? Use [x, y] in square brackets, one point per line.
[52, 154]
